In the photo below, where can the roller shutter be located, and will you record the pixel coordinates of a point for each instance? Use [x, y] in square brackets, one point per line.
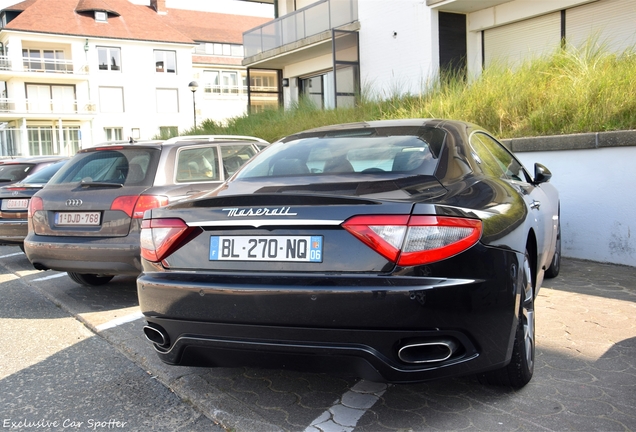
[516, 42]
[611, 23]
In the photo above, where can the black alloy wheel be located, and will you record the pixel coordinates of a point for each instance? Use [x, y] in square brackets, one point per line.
[555, 264]
[521, 367]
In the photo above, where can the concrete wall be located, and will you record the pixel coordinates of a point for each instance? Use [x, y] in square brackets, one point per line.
[396, 46]
[595, 176]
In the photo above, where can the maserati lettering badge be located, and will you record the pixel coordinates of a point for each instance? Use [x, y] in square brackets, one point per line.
[263, 211]
[73, 202]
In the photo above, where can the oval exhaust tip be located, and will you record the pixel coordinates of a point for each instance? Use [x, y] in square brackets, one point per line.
[156, 336]
[427, 352]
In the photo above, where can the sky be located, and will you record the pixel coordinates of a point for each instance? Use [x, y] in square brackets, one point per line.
[222, 6]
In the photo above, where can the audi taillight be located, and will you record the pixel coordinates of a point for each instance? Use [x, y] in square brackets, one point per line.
[161, 237]
[135, 205]
[415, 240]
[35, 204]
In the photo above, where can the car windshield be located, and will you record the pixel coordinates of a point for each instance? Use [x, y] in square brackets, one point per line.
[14, 172]
[117, 166]
[350, 152]
[44, 175]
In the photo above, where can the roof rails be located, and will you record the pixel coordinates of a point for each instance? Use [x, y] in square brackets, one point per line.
[212, 138]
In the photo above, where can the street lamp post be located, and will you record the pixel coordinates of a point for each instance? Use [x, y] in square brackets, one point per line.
[193, 88]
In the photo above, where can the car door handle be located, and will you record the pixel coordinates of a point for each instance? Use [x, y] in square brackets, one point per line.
[535, 204]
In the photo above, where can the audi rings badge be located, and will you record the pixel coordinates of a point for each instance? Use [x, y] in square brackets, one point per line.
[73, 202]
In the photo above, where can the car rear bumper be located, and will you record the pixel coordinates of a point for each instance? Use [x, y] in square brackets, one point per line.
[355, 325]
[107, 256]
[13, 231]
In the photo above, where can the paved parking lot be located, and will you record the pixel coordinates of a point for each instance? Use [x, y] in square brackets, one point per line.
[585, 376]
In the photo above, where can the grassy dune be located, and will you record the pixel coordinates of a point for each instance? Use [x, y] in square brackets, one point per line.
[574, 90]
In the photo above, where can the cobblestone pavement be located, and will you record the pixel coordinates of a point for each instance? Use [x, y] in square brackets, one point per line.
[585, 372]
[585, 376]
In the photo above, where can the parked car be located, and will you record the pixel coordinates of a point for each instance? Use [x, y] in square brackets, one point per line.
[392, 250]
[14, 201]
[15, 170]
[86, 220]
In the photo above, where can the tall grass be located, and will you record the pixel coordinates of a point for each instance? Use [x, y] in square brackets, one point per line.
[588, 89]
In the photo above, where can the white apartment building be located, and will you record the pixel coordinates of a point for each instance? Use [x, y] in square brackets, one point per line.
[330, 50]
[74, 73]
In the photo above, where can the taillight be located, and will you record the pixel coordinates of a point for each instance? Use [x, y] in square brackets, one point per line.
[135, 205]
[415, 240]
[161, 237]
[35, 204]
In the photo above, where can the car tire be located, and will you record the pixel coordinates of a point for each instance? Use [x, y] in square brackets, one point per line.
[555, 264]
[89, 279]
[521, 367]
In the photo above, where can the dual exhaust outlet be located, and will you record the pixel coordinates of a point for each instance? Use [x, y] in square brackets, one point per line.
[414, 352]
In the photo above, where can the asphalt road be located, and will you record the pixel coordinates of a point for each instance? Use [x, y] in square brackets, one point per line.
[78, 354]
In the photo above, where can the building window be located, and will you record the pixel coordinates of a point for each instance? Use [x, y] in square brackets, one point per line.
[47, 98]
[167, 101]
[49, 140]
[109, 58]
[101, 16]
[222, 82]
[113, 133]
[45, 60]
[166, 61]
[312, 89]
[111, 99]
[71, 137]
[218, 49]
[40, 140]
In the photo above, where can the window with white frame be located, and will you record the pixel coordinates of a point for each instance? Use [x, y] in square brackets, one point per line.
[113, 133]
[109, 58]
[167, 101]
[111, 99]
[219, 49]
[223, 82]
[40, 140]
[165, 61]
[45, 60]
[49, 98]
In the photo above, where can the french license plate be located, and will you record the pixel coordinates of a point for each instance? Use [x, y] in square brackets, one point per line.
[15, 204]
[77, 218]
[266, 248]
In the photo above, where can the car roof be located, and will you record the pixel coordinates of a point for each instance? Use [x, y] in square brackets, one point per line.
[178, 141]
[33, 159]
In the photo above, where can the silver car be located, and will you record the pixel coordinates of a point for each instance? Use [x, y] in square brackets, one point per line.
[87, 219]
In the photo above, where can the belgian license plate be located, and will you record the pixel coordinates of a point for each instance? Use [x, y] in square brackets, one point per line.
[266, 248]
[15, 204]
[77, 218]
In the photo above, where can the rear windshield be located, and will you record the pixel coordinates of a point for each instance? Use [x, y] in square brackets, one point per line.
[45, 174]
[352, 152]
[14, 172]
[129, 166]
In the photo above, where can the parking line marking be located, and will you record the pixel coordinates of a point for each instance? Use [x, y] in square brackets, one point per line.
[344, 415]
[13, 254]
[57, 275]
[119, 321]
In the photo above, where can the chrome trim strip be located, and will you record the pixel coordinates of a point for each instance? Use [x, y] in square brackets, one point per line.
[256, 223]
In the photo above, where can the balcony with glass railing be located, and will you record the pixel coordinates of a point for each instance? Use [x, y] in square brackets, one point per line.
[296, 26]
[40, 64]
[213, 89]
[45, 106]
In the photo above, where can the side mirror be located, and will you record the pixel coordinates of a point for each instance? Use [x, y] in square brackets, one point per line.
[541, 174]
